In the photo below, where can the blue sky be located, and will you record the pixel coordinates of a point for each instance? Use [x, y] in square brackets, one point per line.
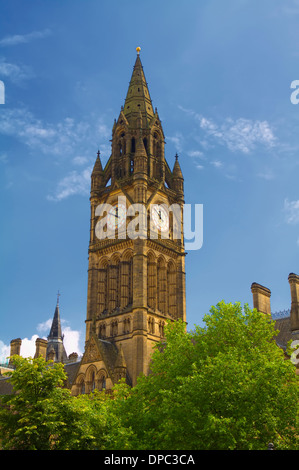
[219, 74]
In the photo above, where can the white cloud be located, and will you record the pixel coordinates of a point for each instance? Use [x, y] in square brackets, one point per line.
[177, 140]
[238, 135]
[45, 326]
[73, 183]
[80, 160]
[62, 139]
[291, 209]
[266, 175]
[16, 39]
[195, 154]
[70, 140]
[241, 134]
[217, 164]
[16, 73]
[28, 346]
[71, 341]
[3, 158]
[4, 352]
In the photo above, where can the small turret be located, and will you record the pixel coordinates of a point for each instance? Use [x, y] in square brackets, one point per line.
[177, 177]
[97, 175]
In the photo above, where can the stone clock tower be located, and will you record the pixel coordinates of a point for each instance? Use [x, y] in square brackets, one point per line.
[136, 279]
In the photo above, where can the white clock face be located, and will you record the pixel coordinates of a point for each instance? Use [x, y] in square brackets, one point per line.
[160, 217]
[116, 216]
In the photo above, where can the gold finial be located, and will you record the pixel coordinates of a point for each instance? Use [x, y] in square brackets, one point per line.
[138, 49]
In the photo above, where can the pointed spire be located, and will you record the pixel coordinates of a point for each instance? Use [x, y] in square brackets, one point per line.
[55, 332]
[55, 338]
[138, 97]
[98, 164]
[177, 172]
[97, 175]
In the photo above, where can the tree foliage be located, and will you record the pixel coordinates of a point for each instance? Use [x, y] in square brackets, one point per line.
[223, 386]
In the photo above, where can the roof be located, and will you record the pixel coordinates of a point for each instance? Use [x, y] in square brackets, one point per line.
[71, 372]
[285, 333]
[6, 387]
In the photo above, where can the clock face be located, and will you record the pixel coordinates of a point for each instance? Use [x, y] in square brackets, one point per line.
[160, 217]
[116, 216]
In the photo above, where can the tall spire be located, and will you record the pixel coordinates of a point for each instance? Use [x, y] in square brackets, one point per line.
[55, 338]
[55, 332]
[138, 97]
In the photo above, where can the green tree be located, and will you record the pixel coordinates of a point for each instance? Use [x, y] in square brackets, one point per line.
[225, 386]
[40, 414]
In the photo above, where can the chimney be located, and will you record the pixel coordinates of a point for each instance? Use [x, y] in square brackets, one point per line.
[40, 347]
[261, 298]
[73, 357]
[15, 348]
[294, 286]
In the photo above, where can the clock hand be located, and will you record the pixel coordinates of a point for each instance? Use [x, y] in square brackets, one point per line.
[159, 213]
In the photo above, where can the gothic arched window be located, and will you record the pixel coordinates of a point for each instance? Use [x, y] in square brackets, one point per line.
[171, 289]
[81, 387]
[114, 284]
[126, 281]
[93, 382]
[133, 145]
[103, 384]
[103, 287]
[151, 281]
[102, 331]
[161, 285]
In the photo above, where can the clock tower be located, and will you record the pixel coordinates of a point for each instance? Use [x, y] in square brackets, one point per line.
[136, 273]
